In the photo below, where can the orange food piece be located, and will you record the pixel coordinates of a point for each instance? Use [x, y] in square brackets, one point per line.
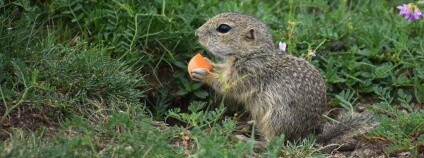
[198, 62]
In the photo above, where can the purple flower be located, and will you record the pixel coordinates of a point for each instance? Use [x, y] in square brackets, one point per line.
[282, 47]
[410, 11]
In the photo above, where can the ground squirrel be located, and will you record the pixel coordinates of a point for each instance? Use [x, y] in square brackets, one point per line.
[284, 94]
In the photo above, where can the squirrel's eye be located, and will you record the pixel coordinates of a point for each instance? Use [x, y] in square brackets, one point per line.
[223, 28]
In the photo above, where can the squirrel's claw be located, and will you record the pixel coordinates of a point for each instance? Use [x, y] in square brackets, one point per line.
[199, 74]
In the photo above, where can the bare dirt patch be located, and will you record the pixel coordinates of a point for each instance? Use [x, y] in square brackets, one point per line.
[29, 118]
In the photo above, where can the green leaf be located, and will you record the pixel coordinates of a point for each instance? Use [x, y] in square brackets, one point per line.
[196, 86]
[201, 94]
[66, 12]
[34, 77]
[182, 92]
[186, 84]
[195, 106]
[419, 90]
[77, 18]
[77, 7]
[344, 97]
[180, 64]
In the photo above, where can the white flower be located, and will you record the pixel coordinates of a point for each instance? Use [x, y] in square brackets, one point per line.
[282, 47]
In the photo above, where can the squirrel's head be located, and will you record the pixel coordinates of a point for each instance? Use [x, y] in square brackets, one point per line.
[235, 35]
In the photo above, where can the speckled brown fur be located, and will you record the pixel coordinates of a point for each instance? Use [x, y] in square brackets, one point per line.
[284, 94]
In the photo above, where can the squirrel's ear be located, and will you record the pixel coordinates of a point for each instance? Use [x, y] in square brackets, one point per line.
[250, 35]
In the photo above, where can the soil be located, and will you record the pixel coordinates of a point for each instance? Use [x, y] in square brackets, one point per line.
[27, 117]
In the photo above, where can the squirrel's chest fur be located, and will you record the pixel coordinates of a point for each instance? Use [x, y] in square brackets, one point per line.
[277, 89]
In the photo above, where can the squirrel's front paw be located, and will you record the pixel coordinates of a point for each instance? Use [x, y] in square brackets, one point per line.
[199, 74]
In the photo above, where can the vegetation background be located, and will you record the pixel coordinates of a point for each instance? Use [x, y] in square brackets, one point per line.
[107, 78]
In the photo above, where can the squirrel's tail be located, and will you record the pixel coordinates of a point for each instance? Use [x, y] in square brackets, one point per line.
[349, 125]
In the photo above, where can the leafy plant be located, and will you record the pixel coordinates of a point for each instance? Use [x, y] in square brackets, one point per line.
[399, 128]
[218, 142]
[188, 87]
[345, 99]
[197, 118]
[303, 148]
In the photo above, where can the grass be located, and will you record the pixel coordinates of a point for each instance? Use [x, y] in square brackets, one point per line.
[108, 78]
